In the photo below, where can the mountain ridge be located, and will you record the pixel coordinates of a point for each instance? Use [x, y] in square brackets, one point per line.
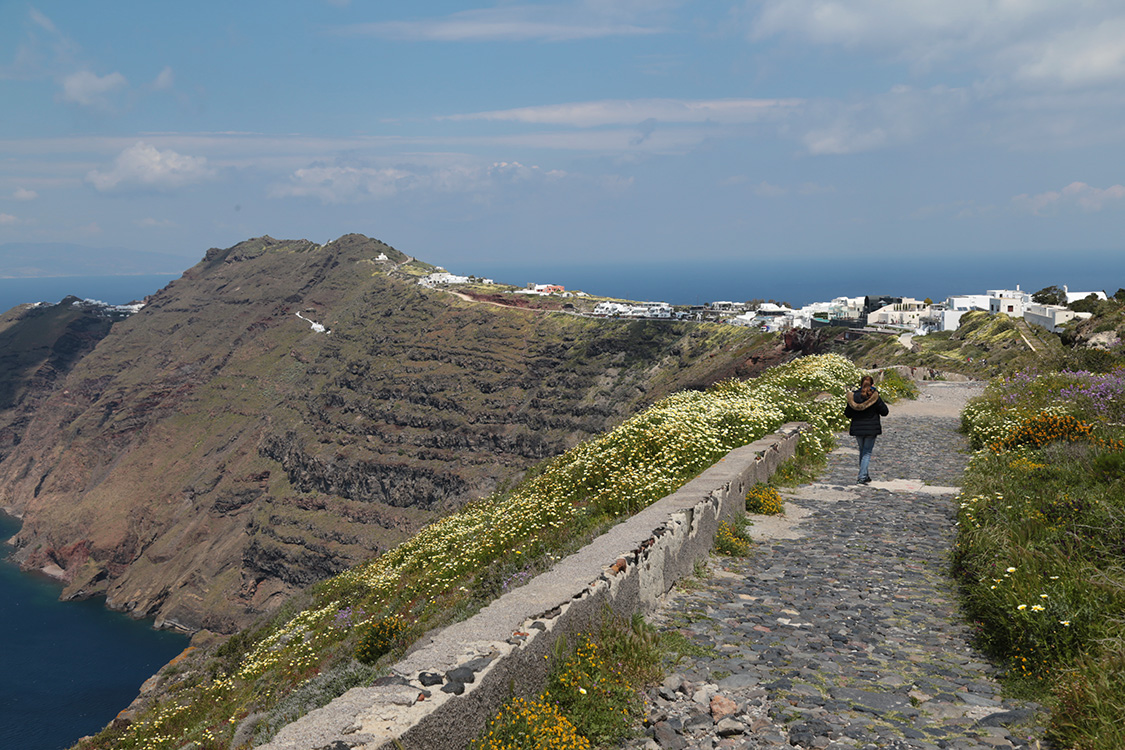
[213, 454]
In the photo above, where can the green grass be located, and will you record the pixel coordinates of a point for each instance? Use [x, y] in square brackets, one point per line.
[983, 346]
[597, 682]
[732, 539]
[894, 386]
[1040, 552]
[594, 694]
[806, 465]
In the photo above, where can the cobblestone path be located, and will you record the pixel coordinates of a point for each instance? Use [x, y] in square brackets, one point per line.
[848, 634]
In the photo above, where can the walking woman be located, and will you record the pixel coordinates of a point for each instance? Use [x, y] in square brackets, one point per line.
[864, 408]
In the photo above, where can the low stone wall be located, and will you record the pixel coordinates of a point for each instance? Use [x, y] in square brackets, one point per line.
[922, 374]
[443, 692]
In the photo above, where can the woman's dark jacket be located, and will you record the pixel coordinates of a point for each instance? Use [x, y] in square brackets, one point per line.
[865, 414]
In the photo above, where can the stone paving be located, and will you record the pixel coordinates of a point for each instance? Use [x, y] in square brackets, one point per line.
[844, 632]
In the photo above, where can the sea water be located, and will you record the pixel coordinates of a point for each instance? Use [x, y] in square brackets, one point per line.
[800, 281]
[113, 290]
[66, 668]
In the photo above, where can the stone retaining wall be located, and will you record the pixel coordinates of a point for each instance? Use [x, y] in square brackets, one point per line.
[922, 374]
[443, 692]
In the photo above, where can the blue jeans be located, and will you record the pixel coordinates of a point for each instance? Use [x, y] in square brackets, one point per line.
[866, 445]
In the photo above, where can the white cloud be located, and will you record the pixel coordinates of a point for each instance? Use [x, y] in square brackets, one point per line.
[814, 188]
[891, 23]
[165, 80]
[42, 52]
[90, 89]
[765, 189]
[900, 116]
[345, 184]
[1071, 44]
[551, 23]
[42, 21]
[768, 190]
[155, 223]
[351, 184]
[639, 111]
[6, 219]
[1077, 194]
[23, 194]
[1074, 57]
[146, 166]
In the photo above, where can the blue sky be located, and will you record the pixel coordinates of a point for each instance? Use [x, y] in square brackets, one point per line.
[584, 131]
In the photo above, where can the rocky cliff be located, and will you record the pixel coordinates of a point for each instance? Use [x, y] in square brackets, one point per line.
[216, 451]
[39, 344]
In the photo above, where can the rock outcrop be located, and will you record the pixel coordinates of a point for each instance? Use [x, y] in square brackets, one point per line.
[39, 344]
[214, 453]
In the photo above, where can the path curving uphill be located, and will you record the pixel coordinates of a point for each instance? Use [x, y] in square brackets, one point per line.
[842, 628]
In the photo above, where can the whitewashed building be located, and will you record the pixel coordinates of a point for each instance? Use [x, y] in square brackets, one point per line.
[726, 306]
[611, 308]
[1052, 317]
[1008, 301]
[905, 314]
[1075, 296]
[442, 277]
[965, 302]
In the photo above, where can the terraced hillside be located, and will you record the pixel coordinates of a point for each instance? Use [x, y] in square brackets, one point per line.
[217, 452]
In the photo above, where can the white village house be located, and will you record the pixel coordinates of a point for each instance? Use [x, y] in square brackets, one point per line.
[905, 314]
[639, 310]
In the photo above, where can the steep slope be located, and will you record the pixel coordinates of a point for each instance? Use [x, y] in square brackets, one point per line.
[39, 344]
[217, 451]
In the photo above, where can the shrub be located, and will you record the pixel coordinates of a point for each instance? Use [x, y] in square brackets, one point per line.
[599, 684]
[1091, 704]
[764, 500]
[1044, 429]
[894, 386]
[534, 724]
[317, 692]
[731, 539]
[378, 638]
[805, 466]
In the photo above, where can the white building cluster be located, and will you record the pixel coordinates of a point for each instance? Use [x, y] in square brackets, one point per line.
[638, 310]
[772, 318]
[909, 314]
[1014, 303]
[442, 278]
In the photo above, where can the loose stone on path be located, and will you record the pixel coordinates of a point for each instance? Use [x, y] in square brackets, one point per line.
[842, 628]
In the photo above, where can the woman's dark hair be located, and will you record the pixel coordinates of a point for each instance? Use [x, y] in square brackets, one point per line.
[865, 380]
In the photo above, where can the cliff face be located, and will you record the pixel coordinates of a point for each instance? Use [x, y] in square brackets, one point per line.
[39, 344]
[215, 452]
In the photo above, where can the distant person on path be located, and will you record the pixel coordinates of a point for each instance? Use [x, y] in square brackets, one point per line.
[864, 408]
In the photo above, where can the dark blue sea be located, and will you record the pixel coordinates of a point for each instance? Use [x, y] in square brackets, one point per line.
[113, 290]
[801, 280]
[66, 668]
[797, 281]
